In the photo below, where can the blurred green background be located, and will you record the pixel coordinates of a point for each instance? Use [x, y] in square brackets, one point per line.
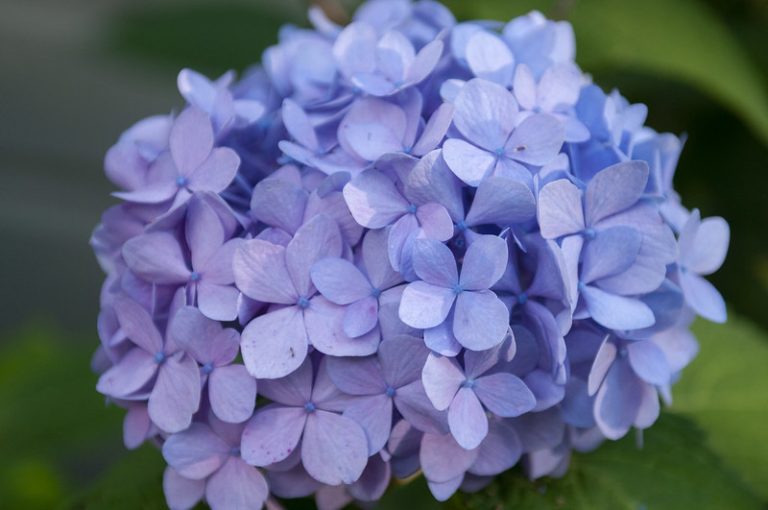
[74, 74]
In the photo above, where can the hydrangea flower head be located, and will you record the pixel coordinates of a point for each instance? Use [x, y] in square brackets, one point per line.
[402, 245]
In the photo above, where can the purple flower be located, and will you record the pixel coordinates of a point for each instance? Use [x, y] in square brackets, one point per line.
[446, 463]
[623, 249]
[438, 247]
[382, 65]
[623, 378]
[391, 380]
[703, 245]
[305, 414]
[276, 343]
[375, 127]
[191, 164]
[556, 93]
[231, 389]
[204, 462]
[457, 310]
[376, 202]
[498, 200]
[486, 115]
[358, 288]
[160, 258]
[155, 368]
[468, 392]
[215, 99]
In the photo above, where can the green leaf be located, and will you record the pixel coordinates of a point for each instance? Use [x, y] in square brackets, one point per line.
[674, 470]
[51, 418]
[725, 390]
[680, 39]
[134, 482]
[209, 37]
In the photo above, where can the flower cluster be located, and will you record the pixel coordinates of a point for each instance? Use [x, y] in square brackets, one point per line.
[407, 244]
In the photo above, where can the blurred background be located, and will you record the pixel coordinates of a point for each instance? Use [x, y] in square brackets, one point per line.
[74, 74]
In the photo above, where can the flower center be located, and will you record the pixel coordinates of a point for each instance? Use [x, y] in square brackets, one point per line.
[461, 226]
[589, 233]
[208, 368]
[303, 302]
[522, 298]
[159, 357]
[412, 209]
[181, 181]
[310, 407]
[375, 292]
[457, 289]
[390, 391]
[468, 383]
[195, 276]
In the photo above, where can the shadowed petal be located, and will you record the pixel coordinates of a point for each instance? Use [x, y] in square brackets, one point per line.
[294, 389]
[357, 376]
[402, 358]
[648, 362]
[232, 392]
[156, 257]
[604, 358]
[129, 375]
[181, 493]
[442, 458]
[500, 450]
[501, 201]
[176, 396]
[611, 252]
[196, 452]
[703, 297]
[617, 401]
[504, 395]
[334, 449]
[414, 405]
[138, 325]
[272, 434]
[614, 189]
[236, 486]
[374, 415]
